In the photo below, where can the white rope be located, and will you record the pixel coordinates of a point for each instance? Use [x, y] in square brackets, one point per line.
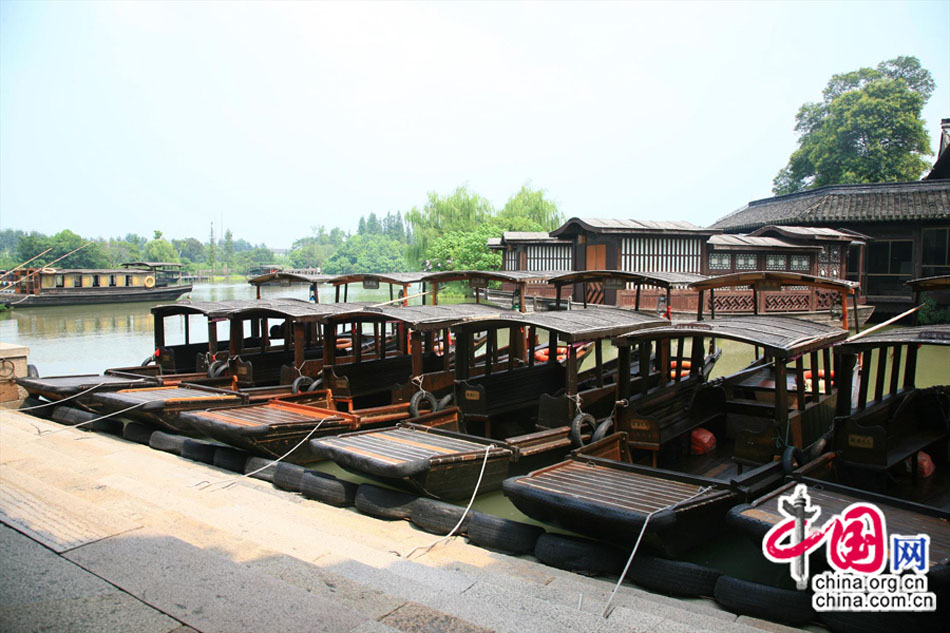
[206, 485]
[61, 400]
[101, 417]
[464, 514]
[643, 529]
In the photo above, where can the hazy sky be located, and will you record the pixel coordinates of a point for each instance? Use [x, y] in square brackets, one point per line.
[277, 117]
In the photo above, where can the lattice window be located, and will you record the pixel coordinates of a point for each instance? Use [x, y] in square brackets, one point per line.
[775, 262]
[745, 262]
[800, 263]
[511, 260]
[661, 254]
[720, 261]
[557, 257]
[829, 261]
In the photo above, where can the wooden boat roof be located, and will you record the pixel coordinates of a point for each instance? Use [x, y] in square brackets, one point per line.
[292, 276]
[514, 276]
[773, 280]
[813, 233]
[782, 337]
[583, 324]
[738, 242]
[289, 308]
[84, 271]
[660, 279]
[939, 282]
[206, 308]
[425, 317]
[921, 335]
[386, 278]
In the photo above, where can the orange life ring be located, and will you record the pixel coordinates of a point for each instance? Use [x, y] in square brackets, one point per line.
[344, 343]
[686, 364]
[149, 281]
[542, 355]
[807, 375]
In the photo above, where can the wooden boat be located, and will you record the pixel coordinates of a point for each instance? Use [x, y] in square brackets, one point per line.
[516, 408]
[161, 405]
[422, 355]
[620, 279]
[272, 428]
[600, 491]
[778, 293]
[137, 282]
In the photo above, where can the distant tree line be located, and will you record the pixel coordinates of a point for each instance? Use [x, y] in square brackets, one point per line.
[448, 232]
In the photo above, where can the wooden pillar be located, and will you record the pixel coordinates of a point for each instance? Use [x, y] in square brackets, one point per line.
[637, 303]
[532, 341]
[896, 369]
[159, 327]
[299, 330]
[557, 297]
[416, 337]
[815, 379]
[699, 306]
[315, 291]
[755, 300]
[844, 365]
[800, 383]
[337, 295]
[236, 336]
[879, 378]
[712, 303]
[623, 372]
[357, 339]
[644, 348]
[781, 395]
[265, 334]
[258, 291]
[571, 370]
[910, 367]
[857, 321]
[405, 294]
[599, 360]
[663, 360]
[435, 294]
[865, 379]
[829, 370]
[212, 337]
[844, 311]
[524, 297]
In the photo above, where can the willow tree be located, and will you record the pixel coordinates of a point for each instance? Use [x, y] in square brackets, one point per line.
[867, 128]
[461, 210]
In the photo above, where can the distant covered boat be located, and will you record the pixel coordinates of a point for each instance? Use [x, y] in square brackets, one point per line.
[136, 281]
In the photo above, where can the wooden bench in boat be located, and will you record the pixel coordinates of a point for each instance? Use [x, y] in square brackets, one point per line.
[510, 391]
[663, 415]
[885, 434]
[370, 377]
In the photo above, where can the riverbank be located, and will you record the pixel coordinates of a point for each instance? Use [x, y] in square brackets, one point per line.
[101, 534]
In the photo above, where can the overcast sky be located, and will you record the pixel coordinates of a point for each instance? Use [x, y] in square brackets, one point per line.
[274, 118]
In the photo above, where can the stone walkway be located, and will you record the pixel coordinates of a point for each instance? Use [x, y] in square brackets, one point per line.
[99, 534]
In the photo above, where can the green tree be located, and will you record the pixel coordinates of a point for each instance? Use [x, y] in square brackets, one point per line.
[461, 210]
[229, 248]
[160, 250]
[254, 256]
[366, 254]
[867, 128]
[66, 241]
[530, 204]
[190, 250]
[119, 251]
[212, 250]
[464, 250]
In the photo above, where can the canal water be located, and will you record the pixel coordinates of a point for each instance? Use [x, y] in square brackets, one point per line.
[90, 339]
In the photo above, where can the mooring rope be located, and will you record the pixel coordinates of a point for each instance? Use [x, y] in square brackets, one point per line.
[643, 529]
[464, 514]
[61, 400]
[206, 485]
[101, 417]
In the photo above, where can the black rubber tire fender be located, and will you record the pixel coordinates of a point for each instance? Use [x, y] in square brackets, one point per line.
[417, 399]
[71, 416]
[763, 601]
[138, 432]
[217, 368]
[791, 456]
[445, 402]
[438, 517]
[577, 428]
[384, 503]
[300, 384]
[198, 451]
[673, 577]
[112, 426]
[316, 384]
[45, 412]
[167, 442]
[32, 371]
[328, 489]
[257, 464]
[231, 459]
[603, 429]
[288, 476]
[502, 534]
[579, 554]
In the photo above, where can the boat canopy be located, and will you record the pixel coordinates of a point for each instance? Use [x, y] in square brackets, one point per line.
[782, 337]
[152, 265]
[659, 279]
[923, 284]
[421, 318]
[589, 324]
[291, 276]
[919, 335]
[219, 309]
[774, 280]
[511, 276]
[287, 308]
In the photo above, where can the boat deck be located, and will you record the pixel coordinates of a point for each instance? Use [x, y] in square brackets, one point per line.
[169, 396]
[606, 486]
[69, 385]
[899, 520]
[409, 446]
[273, 413]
